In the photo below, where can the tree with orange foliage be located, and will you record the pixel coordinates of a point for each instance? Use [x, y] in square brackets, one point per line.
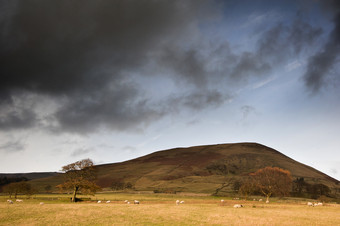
[79, 176]
[272, 181]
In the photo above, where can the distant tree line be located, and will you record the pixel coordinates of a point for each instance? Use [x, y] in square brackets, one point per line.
[19, 188]
[303, 189]
[121, 185]
[7, 180]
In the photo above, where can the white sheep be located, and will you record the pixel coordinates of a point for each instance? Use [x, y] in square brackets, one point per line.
[177, 202]
[317, 204]
[267, 201]
[136, 202]
[126, 201]
[18, 200]
[10, 201]
[181, 202]
[99, 201]
[108, 201]
[309, 204]
[260, 200]
[238, 206]
[41, 203]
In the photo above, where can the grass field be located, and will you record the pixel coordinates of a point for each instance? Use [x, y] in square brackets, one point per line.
[161, 209]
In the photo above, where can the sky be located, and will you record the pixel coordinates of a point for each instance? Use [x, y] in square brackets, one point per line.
[116, 80]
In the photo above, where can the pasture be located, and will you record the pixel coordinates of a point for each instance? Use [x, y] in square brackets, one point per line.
[161, 209]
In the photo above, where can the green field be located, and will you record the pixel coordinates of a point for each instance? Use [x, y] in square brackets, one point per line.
[161, 209]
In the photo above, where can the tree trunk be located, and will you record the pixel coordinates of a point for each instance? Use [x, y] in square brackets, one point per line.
[74, 194]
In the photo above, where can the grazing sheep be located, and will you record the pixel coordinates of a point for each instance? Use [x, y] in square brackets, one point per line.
[10, 201]
[18, 200]
[41, 203]
[309, 204]
[238, 206]
[317, 204]
[260, 200]
[126, 201]
[99, 201]
[179, 202]
[108, 201]
[267, 201]
[136, 202]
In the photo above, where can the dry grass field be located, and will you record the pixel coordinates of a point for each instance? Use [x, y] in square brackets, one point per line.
[162, 210]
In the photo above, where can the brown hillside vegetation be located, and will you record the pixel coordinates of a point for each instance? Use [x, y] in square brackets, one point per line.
[202, 169]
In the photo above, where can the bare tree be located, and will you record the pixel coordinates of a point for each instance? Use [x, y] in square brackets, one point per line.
[80, 177]
[272, 180]
[246, 188]
[10, 189]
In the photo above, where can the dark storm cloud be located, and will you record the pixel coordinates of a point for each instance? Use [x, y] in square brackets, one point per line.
[118, 109]
[275, 47]
[57, 47]
[12, 146]
[198, 100]
[82, 53]
[16, 113]
[321, 63]
[17, 119]
[249, 65]
[87, 58]
[282, 42]
[186, 64]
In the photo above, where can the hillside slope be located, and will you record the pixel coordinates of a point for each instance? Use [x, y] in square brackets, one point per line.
[201, 168]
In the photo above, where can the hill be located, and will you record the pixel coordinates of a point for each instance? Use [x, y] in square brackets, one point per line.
[201, 169]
